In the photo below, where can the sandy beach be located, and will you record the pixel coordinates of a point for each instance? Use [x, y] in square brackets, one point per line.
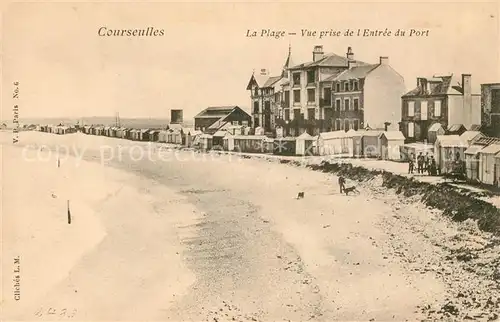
[194, 237]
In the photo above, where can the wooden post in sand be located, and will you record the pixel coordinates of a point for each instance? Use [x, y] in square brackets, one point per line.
[69, 214]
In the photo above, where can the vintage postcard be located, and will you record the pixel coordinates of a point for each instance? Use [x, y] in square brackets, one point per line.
[250, 161]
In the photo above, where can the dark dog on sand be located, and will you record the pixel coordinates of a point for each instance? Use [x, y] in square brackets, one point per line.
[350, 189]
[300, 195]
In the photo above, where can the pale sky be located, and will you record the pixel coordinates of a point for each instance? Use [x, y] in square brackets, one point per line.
[66, 70]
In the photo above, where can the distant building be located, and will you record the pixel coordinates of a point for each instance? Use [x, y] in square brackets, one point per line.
[211, 119]
[440, 99]
[266, 96]
[490, 108]
[330, 92]
[176, 116]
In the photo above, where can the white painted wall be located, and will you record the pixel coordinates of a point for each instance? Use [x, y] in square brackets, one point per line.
[455, 109]
[383, 89]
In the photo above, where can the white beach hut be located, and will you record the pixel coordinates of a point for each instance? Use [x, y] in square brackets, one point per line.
[162, 136]
[390, 145]
[330, 143]
[304, 144]
[448, 150]
[487, 172]
[473, 162]
[228, 141]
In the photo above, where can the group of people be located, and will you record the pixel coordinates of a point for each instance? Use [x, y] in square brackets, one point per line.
[425, 164]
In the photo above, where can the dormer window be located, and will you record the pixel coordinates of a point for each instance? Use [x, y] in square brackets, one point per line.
[346, 86]
[355, 86]
[337, 87]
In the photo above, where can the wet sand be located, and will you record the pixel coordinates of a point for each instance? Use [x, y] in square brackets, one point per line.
[226, 240]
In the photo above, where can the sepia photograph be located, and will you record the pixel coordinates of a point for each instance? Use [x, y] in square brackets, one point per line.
[250, 161]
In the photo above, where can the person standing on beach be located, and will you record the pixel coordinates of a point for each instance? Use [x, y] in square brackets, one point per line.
[420, 163]
[426, 162]
[410, 165]
[341, 183]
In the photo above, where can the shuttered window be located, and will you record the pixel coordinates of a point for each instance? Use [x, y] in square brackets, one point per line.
[437, 108]
[411, 108]
[411, 129]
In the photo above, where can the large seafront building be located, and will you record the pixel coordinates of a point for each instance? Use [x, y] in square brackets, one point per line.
[331, 92]
[447, 100]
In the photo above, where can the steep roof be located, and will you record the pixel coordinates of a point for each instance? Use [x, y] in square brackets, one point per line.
[356, 72]
[441, 85]
[470, 135]
[485, 140]
[491, 149]
[220, 125]
[435, 127]
[216, 111]
[332, 77]
[288, 63]
[328, 60]
[271, 81]
[474, 127]
[450, 141]
[304, 135]
[474, 149]
[393, 135]
[263, 81]
[455, 127]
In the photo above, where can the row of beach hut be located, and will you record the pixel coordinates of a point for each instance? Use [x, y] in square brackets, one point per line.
[175, 134]
[377, 144]
[478, 154]
[56, 129]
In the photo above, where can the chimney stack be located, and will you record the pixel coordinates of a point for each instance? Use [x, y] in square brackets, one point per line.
[384, 60]
[467, 98]
[351, 64]
[318, 53]
[422, 83]
[350, 54]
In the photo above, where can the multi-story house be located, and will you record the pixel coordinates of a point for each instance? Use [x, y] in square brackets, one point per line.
[331, 92]
[439, 100]
[266, 96]
[490, 109]
[307, 97]
[366, 96]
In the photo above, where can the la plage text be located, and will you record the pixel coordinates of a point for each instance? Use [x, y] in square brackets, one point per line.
[386, 32]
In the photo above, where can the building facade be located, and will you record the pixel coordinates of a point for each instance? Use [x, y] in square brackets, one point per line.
[306, 104]
[490, 109]
[266, 96]
[331, 92]
[366, 96]
[441, 99]
[211, 119]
